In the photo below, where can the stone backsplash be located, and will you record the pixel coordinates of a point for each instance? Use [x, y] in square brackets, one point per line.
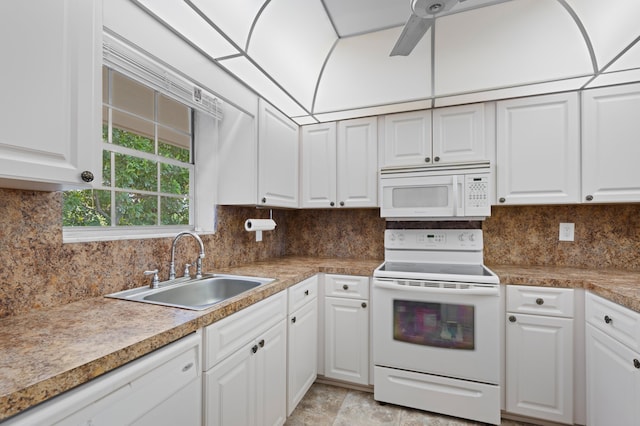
[37, 270]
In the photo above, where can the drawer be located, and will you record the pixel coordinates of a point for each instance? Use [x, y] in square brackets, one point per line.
[229, 334]
[303, 292]
[618, 322]
[349, 286]
[549, 301]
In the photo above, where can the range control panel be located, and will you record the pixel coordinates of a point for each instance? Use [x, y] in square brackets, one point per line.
[433, 239]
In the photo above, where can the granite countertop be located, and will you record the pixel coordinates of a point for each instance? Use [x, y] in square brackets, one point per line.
[622, 287]
[47, 352]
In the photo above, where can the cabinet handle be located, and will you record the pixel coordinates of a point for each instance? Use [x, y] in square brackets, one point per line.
[341, 203]
[502, 199]
[87, 176]
[345, 287]
[589, 198]
[332, 204]
[264, 199]
[261, 343]
[293, 320]
[636, 363]
[364, 304]
[608, 319]
[512, 318]
[540, 301]
[427, 160]
[187, 367]
[436, 159]
[306, 292]
[254, 349]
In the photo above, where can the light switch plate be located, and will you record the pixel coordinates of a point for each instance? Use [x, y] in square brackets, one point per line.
[566, 231]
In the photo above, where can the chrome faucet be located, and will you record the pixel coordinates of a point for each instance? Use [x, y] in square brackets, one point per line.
[172, 266]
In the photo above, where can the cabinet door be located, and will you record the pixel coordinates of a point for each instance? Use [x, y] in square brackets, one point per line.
[277, 158]
[50, 103]
[357, 167]
[613, 381]
[271, 377]
[303, 353]
[318, 146]
[538, 150]
[230, 390]
[347, 340]
[610, 148]
[539, 367]
[407, 139]
[458, 134]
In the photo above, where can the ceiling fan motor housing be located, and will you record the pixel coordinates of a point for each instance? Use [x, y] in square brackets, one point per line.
[431, 8]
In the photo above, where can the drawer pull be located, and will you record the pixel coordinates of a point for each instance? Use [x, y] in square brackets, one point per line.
[187, 367]
[293, 320]
[608, 319]
[364, 304]
[345, 287]
[261, 343]
[636, 363]
[306, 292]
[254, 349]
[512, 318]
[540, 301]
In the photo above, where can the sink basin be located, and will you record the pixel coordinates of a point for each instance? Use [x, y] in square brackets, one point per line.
[194, 294]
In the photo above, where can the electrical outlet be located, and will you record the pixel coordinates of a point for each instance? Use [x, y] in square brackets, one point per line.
[566, 231]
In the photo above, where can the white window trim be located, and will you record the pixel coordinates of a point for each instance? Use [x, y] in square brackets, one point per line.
[207, 114]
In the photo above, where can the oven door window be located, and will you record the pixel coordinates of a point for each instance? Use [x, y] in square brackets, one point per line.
[441, 325]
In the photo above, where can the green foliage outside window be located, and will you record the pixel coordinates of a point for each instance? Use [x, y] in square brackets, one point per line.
[133, 174]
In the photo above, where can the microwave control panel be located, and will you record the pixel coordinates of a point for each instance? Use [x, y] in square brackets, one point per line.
[477, 195]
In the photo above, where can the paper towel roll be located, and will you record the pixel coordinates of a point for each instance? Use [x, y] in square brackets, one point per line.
[259, 225]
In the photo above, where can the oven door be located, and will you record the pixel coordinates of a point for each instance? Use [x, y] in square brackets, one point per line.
[445, 329]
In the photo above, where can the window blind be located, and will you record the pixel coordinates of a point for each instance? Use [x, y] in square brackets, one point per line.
[138, 66]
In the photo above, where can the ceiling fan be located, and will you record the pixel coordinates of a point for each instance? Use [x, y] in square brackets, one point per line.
[423, 15]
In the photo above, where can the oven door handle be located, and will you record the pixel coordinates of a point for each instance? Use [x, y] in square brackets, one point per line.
[474, 291]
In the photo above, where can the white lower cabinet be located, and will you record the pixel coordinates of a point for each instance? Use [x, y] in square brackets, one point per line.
[246, 366]
[163, 387]
[302, 359]
[346, 332]
[613, 363]
[539, 353]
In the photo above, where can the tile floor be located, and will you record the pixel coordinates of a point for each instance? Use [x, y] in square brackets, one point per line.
[326, 405]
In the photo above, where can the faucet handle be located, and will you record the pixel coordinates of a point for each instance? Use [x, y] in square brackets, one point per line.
[186, 270]
[155, 282]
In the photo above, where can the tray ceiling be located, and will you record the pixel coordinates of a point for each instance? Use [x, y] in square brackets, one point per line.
[329, 59]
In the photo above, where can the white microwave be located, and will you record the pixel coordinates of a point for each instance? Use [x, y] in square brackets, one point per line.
[454, 192]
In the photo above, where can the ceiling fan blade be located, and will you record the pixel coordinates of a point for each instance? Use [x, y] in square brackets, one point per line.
[413, 31]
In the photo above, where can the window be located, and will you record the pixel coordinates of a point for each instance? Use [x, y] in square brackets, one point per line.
[147, 161]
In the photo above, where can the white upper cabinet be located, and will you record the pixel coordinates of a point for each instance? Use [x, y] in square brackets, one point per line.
[407, 139]
[51, 93]
[538, 150]
[277, 158]
[318, 145]
[459, 133]
[357, 167]
[610, 148]
[339, 164]
[444, 135]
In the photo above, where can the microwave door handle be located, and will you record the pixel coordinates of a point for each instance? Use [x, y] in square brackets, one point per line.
[455, 195]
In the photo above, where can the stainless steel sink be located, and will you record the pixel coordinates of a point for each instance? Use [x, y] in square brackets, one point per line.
[194, 294]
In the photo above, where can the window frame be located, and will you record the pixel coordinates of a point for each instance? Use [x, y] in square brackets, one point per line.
[203, 177]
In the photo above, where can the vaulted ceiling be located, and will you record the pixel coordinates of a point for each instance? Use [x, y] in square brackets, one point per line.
[319, 60]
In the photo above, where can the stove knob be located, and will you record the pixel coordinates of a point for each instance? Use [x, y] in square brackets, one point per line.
[472, 237]
[401, 237]
[392, 237]
[461, 237]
